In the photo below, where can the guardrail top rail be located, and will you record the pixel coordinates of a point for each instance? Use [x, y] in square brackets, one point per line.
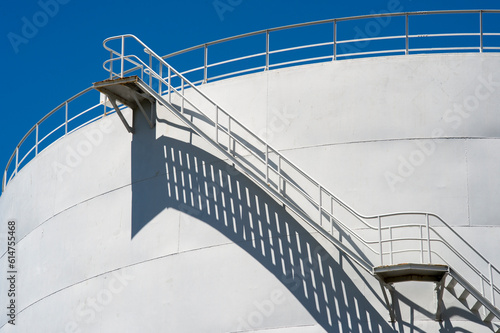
[341, 38]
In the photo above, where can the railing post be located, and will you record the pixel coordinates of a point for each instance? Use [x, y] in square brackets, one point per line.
[406, 33]
[480, 31]
[320, 209]
[390, 243]
[279, 174]
[217, 123]
[421, 244]
[229, 135]
[66, 119]
[183, 98]
[160, 83]
[36, 140]
[111, 65]
[205, 64]
[17, 159]
[169, 85]
[481, 280]
[104, 104]
[380, 240]
[122, 56]
[150, 70]
[331, 213]
[334, 39]
[428, 237]
[492, 288]
[267, 50]
[267, 164]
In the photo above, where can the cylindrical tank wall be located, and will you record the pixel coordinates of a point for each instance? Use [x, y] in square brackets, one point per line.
[156, 232]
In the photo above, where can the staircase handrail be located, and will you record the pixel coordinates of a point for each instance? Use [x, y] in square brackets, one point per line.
[147, 70]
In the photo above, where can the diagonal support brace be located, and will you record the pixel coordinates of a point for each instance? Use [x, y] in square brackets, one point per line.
[391, 305]
[129, 128]
[150, 119]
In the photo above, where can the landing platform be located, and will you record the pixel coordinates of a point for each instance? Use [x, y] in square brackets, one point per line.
[130, 91]
[126, 90]
[411, 272]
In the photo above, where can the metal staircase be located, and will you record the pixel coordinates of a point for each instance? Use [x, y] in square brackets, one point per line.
[474, 299]
[403, 246]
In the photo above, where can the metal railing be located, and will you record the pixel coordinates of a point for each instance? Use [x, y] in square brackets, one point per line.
[334, 40]
[369, 240]
[382, 34]
[379, 236]
[53, 126]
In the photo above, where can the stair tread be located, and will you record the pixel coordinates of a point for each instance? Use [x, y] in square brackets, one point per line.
[453, 282]
[477, 305]
[464, 294]
[489, 317]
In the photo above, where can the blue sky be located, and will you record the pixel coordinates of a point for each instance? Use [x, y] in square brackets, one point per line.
[61, 56]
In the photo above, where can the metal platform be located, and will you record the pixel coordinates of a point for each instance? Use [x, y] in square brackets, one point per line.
[388, 275]
[128, 91]
[411, 272]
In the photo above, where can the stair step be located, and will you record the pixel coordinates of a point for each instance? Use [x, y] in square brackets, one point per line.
[464, 295]
[489, 317]
[477, 305]
[452, 284]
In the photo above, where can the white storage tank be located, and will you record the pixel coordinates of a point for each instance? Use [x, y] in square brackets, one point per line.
[160, 230]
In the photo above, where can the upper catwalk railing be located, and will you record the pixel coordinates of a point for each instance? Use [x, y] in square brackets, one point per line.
[372, 241]
[338, 39]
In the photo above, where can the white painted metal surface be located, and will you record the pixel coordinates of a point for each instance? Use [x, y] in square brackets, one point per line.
[142, 214]
[256, 162]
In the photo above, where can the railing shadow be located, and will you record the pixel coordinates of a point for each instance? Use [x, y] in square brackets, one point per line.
[169, 173]
[247, 159]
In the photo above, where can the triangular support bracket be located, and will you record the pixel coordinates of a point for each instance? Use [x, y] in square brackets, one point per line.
[391, 302]
[128, 91]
